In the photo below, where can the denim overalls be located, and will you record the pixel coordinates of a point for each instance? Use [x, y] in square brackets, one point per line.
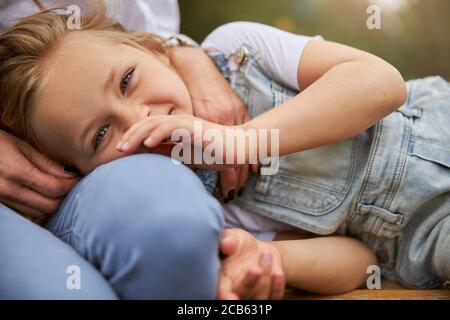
[389, 186]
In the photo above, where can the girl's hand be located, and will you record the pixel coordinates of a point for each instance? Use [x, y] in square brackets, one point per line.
[214, 100]
[153, 131]
[251, 269]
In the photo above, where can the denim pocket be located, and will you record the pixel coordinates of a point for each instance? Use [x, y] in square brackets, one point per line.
[313, 182]
[430, 152]
[431, 133]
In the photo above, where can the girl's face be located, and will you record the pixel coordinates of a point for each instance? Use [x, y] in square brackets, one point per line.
[98, 89]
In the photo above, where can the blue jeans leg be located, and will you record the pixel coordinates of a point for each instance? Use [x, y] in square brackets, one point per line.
[148, 225]
[34, 264]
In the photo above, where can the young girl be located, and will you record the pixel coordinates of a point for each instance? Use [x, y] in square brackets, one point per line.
[353, 188]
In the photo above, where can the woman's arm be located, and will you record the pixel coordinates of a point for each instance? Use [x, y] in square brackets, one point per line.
[346, 91]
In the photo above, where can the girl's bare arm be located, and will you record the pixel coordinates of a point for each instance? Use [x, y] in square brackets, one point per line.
[345, 91]
[325, 265]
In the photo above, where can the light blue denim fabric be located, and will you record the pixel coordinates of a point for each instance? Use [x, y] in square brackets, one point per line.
[34, 264]
[388, 186]
[148, 225]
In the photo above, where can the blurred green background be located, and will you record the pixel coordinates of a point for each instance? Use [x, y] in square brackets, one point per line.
[414, 34]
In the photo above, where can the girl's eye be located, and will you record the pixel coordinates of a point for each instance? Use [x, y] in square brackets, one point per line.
[125, 81]
[99, 136]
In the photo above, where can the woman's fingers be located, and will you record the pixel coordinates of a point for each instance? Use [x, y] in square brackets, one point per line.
[228, 181]
[32, 199]
[27, 167]
[242, 180]
[24, 209]
[31, 203]
[255, 168]
[43, 163]
[240, 113]
[43, 183]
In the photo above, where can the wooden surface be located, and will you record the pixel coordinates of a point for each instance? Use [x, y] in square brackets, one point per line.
[388, 291]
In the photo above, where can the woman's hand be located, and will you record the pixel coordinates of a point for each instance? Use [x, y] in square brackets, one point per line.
[213, 100]
[30, 182]
[251, 269]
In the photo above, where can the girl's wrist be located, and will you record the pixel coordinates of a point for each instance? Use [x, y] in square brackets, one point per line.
[242, 142]
[279, 252]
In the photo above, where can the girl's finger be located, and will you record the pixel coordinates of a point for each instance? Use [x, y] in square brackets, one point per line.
[136, 127]
[231, 296]
[228, 243]
[133, 140]
[278, 281]
[150, 122]
[262, 290]
[224, 287]
[165, 131]
[277, 287]
[246, 286]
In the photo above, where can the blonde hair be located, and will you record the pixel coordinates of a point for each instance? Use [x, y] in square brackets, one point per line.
[25, 51]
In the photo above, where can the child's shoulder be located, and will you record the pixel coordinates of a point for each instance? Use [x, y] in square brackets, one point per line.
[281, 50]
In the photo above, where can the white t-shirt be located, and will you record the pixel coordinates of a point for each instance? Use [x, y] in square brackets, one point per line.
[157, 16]
[282, 51]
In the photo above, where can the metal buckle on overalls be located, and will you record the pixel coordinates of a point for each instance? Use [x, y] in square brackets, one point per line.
[240, 56]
